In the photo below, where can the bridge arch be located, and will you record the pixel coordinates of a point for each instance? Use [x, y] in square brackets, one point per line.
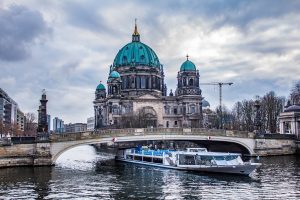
[57, 148]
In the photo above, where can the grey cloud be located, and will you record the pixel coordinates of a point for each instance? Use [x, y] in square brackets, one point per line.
[88, 16]
[20, 26]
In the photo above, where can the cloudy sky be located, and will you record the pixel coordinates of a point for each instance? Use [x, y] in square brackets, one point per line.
[66, 47]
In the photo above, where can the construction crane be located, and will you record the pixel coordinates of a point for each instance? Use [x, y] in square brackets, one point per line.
[220, 84]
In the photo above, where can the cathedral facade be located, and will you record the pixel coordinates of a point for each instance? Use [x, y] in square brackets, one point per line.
[136, 94]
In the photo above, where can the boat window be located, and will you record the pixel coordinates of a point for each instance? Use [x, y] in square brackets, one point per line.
[186, 159]
[129, 157]
[147, 159]
[157, 160]
[138, 158]
[203, 160]
[231, 157]
[219, 157]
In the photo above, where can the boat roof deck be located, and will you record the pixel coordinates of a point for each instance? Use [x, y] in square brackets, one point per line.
[159, 153]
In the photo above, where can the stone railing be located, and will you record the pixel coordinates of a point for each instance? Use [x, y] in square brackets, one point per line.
[105, 133]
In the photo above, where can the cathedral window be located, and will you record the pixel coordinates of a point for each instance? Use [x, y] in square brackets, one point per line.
[128, 82]
[175, 123]
[192, 109]
[132, 82]
[167, 124]
[184, 81]
[147, 82]
[154, 82]
[123, 82]
[115, 90]
[115, 110]
[138, 82]
[167, 110]
[191, 82]
[175, 111]
[143, 82]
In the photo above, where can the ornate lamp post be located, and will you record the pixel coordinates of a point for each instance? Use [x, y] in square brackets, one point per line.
[257, 120]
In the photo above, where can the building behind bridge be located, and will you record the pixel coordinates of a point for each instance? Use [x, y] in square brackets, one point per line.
[58, 125]
[75, 127]
[136, 94]
[10, 113]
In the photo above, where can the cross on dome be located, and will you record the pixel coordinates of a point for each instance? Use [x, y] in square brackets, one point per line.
[187, 56]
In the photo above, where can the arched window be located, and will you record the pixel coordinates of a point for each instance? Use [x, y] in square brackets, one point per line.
[175, 111]
[115, 110]
[167, 110]
[115, 89]
[184, 81]
[191, 82]
[192, 109]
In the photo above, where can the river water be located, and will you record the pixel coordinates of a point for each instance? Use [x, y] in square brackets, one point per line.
[79, 175]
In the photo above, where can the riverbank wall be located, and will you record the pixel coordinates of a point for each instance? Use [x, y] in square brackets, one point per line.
[37, 154]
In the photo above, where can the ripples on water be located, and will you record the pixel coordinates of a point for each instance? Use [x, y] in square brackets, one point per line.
[78, 175]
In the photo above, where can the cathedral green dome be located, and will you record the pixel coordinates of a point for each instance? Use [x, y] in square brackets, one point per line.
[114, 74]
[100, 87]
[136, 53]
[188, 66]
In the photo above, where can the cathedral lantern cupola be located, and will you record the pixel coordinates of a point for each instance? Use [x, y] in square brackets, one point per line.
[100, 92]
[114, 84]
[188, 79]
[135, 35]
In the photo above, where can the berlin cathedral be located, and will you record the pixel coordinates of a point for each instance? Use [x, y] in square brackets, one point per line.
[136, 94]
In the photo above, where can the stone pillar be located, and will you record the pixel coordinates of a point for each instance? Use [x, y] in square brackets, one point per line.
[281, 126]
[297, 129]
[293, 127]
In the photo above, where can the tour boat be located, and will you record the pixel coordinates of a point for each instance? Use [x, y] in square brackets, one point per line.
[193, 159]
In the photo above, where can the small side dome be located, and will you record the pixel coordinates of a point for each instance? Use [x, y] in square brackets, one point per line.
[114, 74]
[188, 66]
[293, 108]
[205, 104]
[100, 87]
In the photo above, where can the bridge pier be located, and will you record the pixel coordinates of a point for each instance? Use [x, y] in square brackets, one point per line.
[37, 154]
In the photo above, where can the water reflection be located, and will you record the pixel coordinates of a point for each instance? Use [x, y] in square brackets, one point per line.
[81, 174]
[30, 182]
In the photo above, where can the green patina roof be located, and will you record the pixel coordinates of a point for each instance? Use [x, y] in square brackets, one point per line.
[114, 74]
[188, 66]
[136, 53]
[100, 87]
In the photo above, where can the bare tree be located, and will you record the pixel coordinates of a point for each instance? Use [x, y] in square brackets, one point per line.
[30, 124]
[271, 107]
[295, 93]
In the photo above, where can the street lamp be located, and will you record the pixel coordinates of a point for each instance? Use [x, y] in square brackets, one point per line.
[257, 120]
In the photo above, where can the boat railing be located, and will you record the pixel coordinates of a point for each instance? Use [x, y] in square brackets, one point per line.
[150, 152]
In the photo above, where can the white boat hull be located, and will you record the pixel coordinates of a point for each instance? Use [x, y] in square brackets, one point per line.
[245, 169]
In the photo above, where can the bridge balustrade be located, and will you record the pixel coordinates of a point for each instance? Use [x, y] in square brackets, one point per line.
[106, 133]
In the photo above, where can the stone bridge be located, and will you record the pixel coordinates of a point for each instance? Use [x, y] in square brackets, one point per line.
[45, 151]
